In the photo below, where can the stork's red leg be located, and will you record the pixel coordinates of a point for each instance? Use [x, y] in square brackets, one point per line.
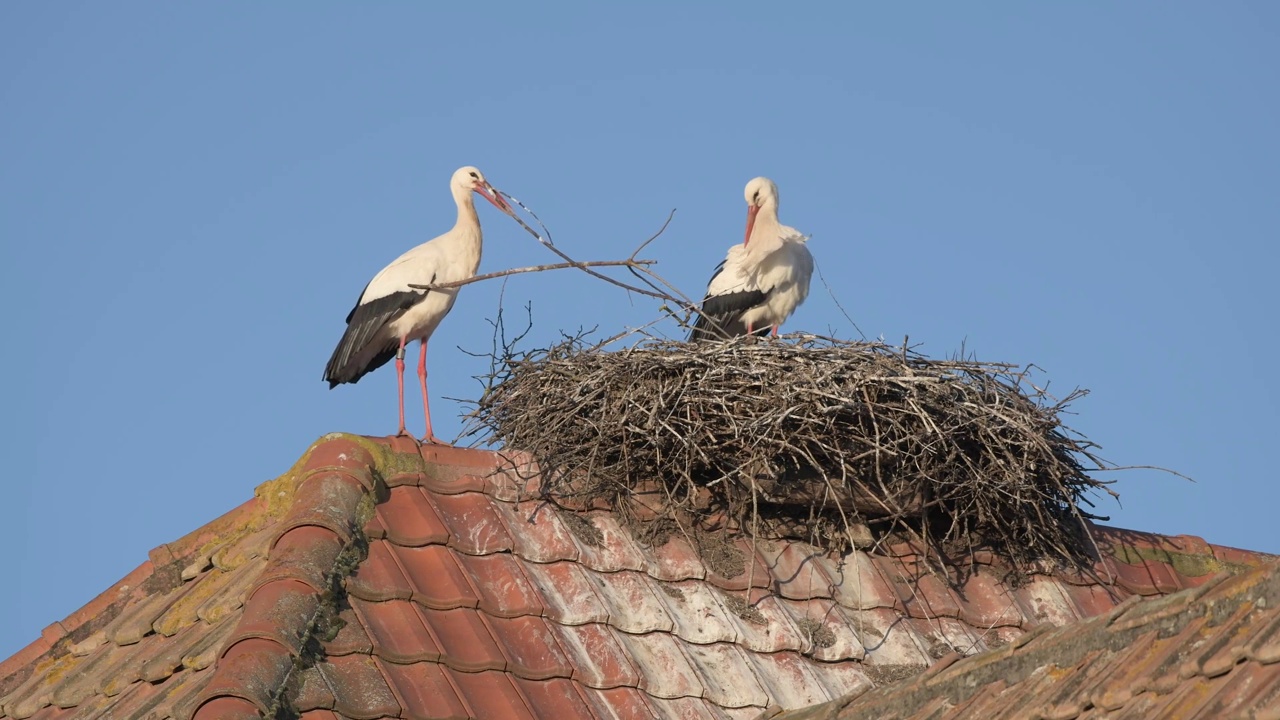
[775, 331]
[426, 406]
[400, 384]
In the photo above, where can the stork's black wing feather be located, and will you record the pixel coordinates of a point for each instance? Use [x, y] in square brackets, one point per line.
[355, 354]
[721, 315]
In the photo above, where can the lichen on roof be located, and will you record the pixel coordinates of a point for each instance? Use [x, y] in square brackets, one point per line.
[803, 431]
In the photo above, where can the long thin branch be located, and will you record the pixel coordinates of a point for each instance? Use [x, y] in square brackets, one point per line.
[585, 267]
[534, 268]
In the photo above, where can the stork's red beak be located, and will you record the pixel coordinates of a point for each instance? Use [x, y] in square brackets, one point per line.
[486, 191]
[751, 222]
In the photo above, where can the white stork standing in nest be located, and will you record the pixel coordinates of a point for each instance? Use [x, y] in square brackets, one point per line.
[390, 313]
[763, 280]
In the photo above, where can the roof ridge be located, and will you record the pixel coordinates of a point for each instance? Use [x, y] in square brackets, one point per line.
[318, 541]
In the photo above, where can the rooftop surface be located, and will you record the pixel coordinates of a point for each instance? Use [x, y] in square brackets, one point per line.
[381, 579]
[1211, 652]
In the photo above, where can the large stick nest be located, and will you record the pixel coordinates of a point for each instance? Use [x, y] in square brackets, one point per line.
[824, 434]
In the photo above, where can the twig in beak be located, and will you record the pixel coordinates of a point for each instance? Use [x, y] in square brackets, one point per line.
[545, 238]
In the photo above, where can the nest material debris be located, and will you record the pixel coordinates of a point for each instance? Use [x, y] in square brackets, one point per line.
[807, 432]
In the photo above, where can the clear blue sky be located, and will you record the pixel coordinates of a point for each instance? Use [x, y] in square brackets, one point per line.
[193, 195]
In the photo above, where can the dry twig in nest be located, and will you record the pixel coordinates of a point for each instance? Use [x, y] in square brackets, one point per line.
[813, 433]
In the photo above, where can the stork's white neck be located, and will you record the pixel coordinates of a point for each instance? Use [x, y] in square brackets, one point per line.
[767, 231]
[467, 216]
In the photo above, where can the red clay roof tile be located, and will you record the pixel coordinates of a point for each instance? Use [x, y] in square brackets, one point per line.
[632, 602]
[699, 615]
[465, 640]
[674, 560]
[664, 669]
[861, 585]
[615, 549]
[397, 630]
[988, 603]
[351, 636]
[727, 678]
[623, 703]
[360, 690]
[424, 691]
[379, 577]
[1184, 655]
[826, 632]
[537, 533]
[252, 670]
[752, 571]
[555, 699]
[313, 691]
[408, 518]
[503, 587]
[474, 527]
[280, 611]
[788, 680]
[326, 500]
[437, 580]
[229, 708]
[763, 623]
[567, 593]
[491, 694]
[596, 655]
[564, 613]
[319, 715]
[135, 623]
[530, 647]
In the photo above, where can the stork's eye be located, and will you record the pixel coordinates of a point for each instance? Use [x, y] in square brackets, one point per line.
[756, 198]
[475, 176]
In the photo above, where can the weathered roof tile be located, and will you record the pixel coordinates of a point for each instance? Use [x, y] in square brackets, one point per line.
[665, 671]
[536, 531]
[567, 593]
[474, 527]
[621, 703]
[379, 577]
[530, 647]
[435, 576]
[597, 656]
[313, 691]
[763, 624]
[554, 699]
[359, 689]
[423, 691]
[491, 694]
[465, 640]
[675, 560]
[409, 519]
[799, 570]
[789, 680]
[396, 630]
[699, 615]
[350, 636]
[503, 587]
[632, 602]
[615, 549]
[726, 676]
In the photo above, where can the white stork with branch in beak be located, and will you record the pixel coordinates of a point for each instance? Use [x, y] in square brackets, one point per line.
[763, 280]
[390, 313]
